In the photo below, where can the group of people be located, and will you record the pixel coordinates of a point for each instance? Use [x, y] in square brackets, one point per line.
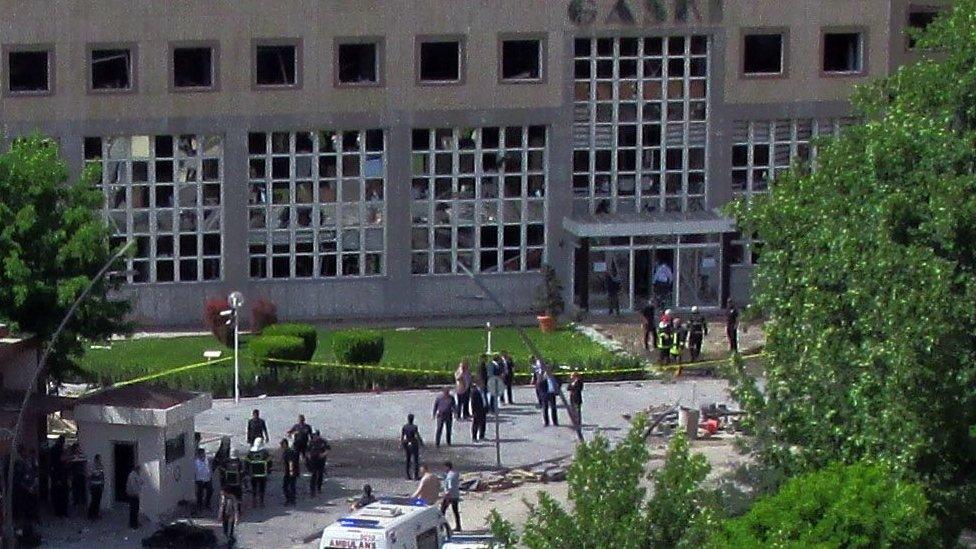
[672, 336]
[61, 474]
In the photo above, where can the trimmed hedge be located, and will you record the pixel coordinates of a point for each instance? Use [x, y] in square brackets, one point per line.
[305, 332]
[265, 349]
[358, 347]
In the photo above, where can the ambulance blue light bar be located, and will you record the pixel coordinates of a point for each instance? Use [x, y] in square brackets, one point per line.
[359, 523]
[413, 502]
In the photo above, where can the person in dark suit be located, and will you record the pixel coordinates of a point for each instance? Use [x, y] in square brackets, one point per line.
[508, 373]
[732, 327]
[549, 404]
[479, 410]
[576, 396]
[649, 323]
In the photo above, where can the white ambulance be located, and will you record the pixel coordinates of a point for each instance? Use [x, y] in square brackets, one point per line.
[391, 523]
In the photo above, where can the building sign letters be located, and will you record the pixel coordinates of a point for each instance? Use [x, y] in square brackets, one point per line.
[651, 12]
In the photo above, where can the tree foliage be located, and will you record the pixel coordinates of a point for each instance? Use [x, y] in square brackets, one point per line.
[53, 241]
[609, 506]
[868, 276]
[853, 506]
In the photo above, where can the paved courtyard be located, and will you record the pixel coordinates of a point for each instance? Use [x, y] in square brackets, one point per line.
[363, 430]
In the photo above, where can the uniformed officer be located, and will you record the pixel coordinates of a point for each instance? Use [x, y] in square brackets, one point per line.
[316, 463]
[233, 475]
[258, 462]
[664, 342]
[697, 330]
[679, 335]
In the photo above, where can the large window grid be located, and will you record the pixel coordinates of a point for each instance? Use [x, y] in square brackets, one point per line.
[640, 124]
[316, 204]
[164, 192]
[761, 151]
[478, 199]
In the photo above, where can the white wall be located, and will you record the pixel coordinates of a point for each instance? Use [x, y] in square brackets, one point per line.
[99, 438]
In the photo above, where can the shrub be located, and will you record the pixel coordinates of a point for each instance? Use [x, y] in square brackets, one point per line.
[306, 332]
[218, 324]
[264, 313]
[549, 294]
[358, 347]
[267, 350]
[859, 505]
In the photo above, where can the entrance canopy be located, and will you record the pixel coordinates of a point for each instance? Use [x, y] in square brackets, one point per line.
[647, 224]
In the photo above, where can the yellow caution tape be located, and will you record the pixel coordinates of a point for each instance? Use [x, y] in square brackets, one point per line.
[170, 372]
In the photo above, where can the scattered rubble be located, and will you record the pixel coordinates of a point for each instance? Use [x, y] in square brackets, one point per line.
[714, 420]
[553, 471]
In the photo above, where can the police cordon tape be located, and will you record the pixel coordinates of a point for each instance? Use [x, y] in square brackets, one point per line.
[427, 371]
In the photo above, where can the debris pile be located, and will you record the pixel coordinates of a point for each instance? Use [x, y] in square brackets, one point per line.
[714, 420]
[554, 471]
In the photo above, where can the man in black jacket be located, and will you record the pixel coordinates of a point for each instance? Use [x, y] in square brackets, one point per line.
[256, 428]
[508, 373]
[479, 411]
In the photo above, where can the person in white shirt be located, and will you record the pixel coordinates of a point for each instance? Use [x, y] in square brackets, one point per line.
[133, 488]
[662, 281]
[452, 493]
[203, 475]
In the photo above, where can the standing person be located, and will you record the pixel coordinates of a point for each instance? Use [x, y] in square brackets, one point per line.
[664, 342]
[732, 328]
[538, 371]
[259, 467]
[79, 481]
[444, 414]
[59, 478]
[221, 457]
[549, 406]
[428, 488]
[316, 463]
[576, 396]
[410, 441]
[302, 432]
[289, 468]
[479, 411]
[133, 489]
[256, 427]
[679, 336]
[462, 389]
[228, 512]
[452, 493]
[508, 374]
[203, 477]
[96, 485]
[648, 323]
[233, 474]
[697, 330]
[492, 369]
[25, 494]
[613, 288]
[662, 281]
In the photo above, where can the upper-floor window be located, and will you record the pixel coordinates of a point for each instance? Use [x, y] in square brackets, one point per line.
[763, 54]
[521, 60]
[358, 63]
[112, 69]
[919, 18]
[28, 71]
[440, 61]
[276, 64]
[843, 52]
[194, 67]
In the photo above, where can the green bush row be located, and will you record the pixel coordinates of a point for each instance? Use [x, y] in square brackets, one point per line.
[305, 332]
[358, 347]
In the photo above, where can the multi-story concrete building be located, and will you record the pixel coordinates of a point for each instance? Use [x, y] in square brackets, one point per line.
[344, 158]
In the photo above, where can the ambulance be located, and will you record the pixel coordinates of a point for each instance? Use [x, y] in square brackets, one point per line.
[394, 523]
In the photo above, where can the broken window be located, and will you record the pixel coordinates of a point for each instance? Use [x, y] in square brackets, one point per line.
[193, 67]
[762, 54]
[919, 18]
[276, 65]
[111, 69]
[842, 52]
[28, 71]
[358, 63]
[440, 61]
[521, 60]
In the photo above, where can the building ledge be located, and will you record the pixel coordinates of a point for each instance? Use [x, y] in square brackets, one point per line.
[644, 224]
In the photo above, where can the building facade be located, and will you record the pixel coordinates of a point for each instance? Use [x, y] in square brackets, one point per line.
[353, 159]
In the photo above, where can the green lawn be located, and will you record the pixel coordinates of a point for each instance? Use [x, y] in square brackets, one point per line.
[434, 349]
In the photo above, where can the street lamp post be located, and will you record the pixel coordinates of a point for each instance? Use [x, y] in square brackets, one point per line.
[236, 301]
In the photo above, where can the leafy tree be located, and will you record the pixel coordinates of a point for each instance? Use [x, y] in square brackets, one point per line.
[868, 276]
[858, 505]
[53, 242]
[609, 507]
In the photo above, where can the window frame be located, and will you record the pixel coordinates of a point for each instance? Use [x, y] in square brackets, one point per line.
[133, 48]
[784, 69]
[541, 38]
[379, 42]
[273, 42]
[862, 33]
[8, 49]
[911, 8]
[214, 47]
[462, 58]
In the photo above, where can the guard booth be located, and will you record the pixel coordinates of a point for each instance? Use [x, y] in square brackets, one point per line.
[146, 425]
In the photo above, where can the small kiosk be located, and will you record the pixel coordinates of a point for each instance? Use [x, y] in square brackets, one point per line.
[146, 425]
